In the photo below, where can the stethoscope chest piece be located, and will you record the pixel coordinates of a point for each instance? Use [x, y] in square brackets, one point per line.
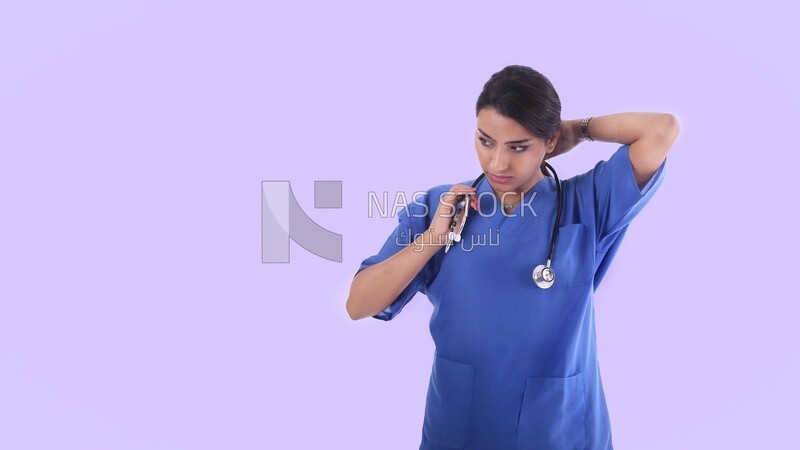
[544, 276]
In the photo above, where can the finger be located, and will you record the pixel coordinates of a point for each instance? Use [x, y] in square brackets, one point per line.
[450, 198]
[465, 190]
[455, 193]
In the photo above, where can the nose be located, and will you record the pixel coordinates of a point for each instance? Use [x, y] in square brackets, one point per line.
[500, 161]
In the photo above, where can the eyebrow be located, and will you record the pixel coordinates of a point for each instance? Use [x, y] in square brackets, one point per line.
[507, 142]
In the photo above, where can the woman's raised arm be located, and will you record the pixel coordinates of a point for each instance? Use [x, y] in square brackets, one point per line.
[650, 135]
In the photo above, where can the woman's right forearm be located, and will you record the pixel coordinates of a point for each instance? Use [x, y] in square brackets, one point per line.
[377, 286]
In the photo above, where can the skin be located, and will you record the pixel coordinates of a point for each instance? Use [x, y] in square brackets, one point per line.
[521, 161]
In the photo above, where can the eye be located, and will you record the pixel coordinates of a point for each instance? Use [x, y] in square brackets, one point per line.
[483, 141]
[520, 148]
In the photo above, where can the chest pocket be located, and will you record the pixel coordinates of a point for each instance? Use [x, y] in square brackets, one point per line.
[573, 258]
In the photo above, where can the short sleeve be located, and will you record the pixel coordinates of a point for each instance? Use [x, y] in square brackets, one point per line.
[413, 220]
[617, 197]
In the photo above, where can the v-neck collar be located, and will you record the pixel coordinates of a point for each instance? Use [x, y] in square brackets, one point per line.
[526, 210]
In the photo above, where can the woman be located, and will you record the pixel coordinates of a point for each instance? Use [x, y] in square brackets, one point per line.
[515, 365]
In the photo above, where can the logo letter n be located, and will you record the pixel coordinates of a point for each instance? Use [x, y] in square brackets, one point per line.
[282, 219]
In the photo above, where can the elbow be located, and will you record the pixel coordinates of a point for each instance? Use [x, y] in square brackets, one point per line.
[358, 299]
[660, 139]
[670, 128]
[351, 305]
[352, 309]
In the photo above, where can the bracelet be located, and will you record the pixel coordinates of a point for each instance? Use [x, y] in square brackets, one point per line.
[585, 128]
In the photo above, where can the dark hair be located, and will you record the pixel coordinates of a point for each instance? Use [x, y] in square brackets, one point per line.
[525, 95]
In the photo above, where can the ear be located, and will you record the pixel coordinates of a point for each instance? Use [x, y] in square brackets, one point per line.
[551, 142]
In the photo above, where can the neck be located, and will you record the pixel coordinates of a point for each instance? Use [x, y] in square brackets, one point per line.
[515, 196]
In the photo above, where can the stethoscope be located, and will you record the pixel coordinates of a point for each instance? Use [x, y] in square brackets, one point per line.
[543, 274]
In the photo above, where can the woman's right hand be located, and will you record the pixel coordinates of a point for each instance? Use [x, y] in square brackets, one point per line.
[443, 217]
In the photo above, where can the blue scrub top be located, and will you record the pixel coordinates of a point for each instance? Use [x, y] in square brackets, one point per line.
[515, 366]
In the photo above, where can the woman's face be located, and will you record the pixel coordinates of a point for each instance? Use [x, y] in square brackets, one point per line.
[509, 155]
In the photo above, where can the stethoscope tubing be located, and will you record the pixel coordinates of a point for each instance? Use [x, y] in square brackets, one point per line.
[554, 234]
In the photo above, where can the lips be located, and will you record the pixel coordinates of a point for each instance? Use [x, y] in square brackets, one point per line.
[498, 179]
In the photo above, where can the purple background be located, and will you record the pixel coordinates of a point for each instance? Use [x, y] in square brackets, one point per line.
[135, 311]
